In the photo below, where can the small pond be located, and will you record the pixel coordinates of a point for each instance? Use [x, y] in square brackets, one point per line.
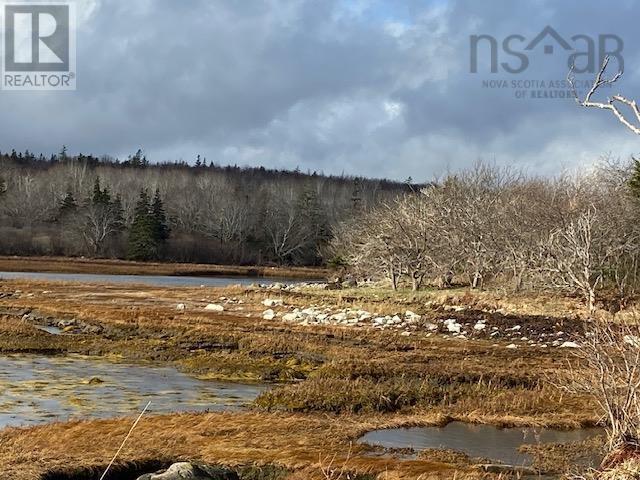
[36, 390]
[156, 280]
[478, 441]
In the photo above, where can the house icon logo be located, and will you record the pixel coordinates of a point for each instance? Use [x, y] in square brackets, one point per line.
[583, 51]
[548, 47]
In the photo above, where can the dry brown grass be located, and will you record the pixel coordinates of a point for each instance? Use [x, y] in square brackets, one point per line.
[417, 380]
[298, 442]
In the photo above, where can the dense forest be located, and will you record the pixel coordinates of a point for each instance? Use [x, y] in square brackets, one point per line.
[104, 207]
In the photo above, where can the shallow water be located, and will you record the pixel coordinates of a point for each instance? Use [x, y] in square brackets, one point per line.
[480, 441]
[157, 280]
[49, 329]
[36, 390]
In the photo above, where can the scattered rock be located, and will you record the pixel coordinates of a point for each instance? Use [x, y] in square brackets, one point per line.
[569, 345]
[452, 325]
[512, 346]
[181, 307]
[480, 325]
[289, 317]
[191, 471]
[269, 314]
[214, 307]
[273, 302]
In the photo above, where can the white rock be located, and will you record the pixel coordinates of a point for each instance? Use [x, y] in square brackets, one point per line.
[515, 329]
[405, 334]
[512, 346]
[452, 325]
[289, 317]
[411, 316]
[481, 325]
[269, 314]
[569, 345]
[339, 317]
[214, 307]
[431, 327]
[273, 302]
[181, 307]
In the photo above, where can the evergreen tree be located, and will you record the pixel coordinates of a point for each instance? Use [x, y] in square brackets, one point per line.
[198, 162]
[68, 203]
[159, 220]
[139, 160]
[142, 245]
[100, 196]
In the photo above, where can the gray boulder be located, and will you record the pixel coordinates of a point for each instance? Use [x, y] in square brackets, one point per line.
[191, 471]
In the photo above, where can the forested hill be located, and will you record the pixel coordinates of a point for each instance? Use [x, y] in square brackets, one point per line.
[85, 205]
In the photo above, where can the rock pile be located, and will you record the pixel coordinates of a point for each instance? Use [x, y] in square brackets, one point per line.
[409, 322]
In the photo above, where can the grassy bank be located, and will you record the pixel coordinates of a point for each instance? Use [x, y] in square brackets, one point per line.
[123, 267]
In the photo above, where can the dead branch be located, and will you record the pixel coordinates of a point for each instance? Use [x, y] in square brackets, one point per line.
[612, 102]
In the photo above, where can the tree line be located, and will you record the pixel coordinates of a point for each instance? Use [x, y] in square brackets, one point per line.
[103, 207]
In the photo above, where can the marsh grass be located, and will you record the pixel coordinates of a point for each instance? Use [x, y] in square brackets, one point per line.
[338, 383]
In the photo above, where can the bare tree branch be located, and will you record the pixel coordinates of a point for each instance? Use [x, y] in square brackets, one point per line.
[610, 104]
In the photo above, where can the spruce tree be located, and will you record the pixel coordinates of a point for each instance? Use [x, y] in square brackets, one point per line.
[100, 196]
[142, 245]
[68, 204]
[159, 220]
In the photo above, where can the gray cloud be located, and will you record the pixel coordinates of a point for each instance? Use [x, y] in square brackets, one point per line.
[372, 87]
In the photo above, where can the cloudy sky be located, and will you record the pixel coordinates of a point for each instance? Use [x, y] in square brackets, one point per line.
[366, 87]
